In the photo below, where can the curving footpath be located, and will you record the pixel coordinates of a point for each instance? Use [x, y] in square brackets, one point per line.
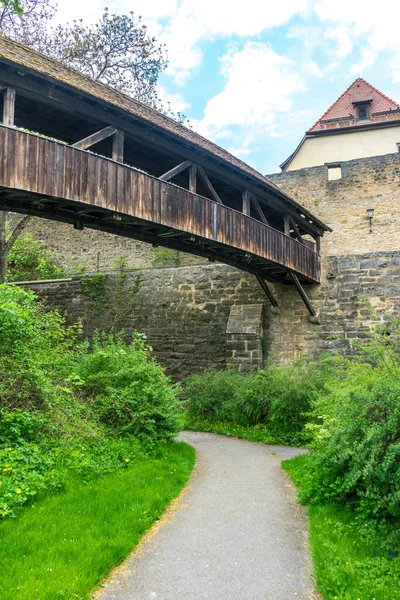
[236, 533]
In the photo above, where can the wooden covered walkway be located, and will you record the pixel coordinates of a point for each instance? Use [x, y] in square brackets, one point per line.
[145, 176]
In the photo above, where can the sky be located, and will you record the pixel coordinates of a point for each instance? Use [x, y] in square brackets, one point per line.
[254, 75]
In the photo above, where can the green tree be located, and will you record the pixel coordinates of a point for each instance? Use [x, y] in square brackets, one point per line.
[116, 50]
[26, 21]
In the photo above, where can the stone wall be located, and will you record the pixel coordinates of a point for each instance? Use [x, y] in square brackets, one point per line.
[185, 311]
[73, 248]
[342, 204]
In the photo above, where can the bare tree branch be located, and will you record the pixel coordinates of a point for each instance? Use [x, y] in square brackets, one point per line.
[17, 231]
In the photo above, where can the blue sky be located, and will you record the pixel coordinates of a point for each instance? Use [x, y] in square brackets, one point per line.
[254, 75]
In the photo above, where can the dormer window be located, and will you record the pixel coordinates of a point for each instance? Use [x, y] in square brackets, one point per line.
[362, 112]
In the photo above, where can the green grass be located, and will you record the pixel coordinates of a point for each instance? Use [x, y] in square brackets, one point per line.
[255, 433]
[346, 565]
[64, 546]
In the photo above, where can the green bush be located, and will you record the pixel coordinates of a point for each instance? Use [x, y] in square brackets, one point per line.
[129, 391]
[26, 470]
[29, 259]
[211, 394]
[68, 406]
[279, 398]
[356, 457]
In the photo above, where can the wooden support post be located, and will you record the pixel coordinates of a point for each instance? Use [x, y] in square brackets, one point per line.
[246, 199]
[99, 136]
[118, 146]
[9, 106]
[303, 295]
[193, 178]
[286, 225]
[318, 244]
[178, 169]
[266, 289]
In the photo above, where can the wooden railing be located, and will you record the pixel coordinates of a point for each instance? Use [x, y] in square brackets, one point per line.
[37, 165]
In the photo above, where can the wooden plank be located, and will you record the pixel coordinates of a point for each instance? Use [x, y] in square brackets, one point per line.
[118, 146]
[318, 244]
[178, 169]
[9, 106]
[193, 178]
[208, 184]
[90, 140]
[246, 203]
[286, 225]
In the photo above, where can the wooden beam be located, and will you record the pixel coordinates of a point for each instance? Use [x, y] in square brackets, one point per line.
[286, 225]
[193, 178]
[118, 146]
[246, 203]
[208, 184]
[302, 293]
[99, 136]
[9, 106]
[259, 210]
[318, 244]
[266, 289]
[178, 169]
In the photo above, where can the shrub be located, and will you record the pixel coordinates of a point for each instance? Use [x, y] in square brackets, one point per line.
[69, 406]
[279, 398]
[29, 259]
[130, 392]
[211, 394]
[356, 458]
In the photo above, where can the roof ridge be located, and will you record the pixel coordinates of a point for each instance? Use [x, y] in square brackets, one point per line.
[379, 92]
[333, 104]
[344, 94]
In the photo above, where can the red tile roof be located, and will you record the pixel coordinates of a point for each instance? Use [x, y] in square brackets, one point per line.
[343, 110]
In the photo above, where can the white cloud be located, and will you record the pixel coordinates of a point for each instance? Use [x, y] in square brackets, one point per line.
[148, 9]
[311, 68]
[174, 101]
[260, 85]
[196, 21]
[376, 30]
[242, 151]
[340, 35]
[69, 10]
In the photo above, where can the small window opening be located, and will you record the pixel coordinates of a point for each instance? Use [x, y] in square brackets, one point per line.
[398, 146]
[334, 172]
[362, 112]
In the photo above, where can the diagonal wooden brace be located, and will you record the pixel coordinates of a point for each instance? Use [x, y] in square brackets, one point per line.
[176, 170]
[99, 136]
[267, 291]
[304, 297]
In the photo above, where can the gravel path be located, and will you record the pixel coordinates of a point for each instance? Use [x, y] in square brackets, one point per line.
[236, 533]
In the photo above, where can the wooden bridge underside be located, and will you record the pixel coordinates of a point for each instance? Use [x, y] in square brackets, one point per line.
[56, 181]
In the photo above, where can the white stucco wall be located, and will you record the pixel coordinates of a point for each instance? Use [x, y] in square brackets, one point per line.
[346, 146]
